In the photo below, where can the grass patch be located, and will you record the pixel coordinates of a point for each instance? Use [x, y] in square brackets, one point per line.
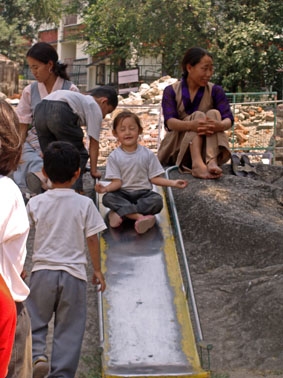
[93, 366]
[220, 375]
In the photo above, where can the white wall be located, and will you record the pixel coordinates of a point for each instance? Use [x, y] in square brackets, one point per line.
[80, 54]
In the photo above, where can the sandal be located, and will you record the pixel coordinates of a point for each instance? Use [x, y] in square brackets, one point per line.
[236, 166]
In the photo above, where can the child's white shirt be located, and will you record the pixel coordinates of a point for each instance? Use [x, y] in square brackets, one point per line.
[62, 220]
[135, 169]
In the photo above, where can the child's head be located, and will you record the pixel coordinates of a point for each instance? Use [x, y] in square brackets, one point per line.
[127, 127]
[106, 97]
[118, 120]
[61, 161]
[10, 140]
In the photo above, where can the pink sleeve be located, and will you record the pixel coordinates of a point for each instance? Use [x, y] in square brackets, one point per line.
[23, 109]
[74, 88]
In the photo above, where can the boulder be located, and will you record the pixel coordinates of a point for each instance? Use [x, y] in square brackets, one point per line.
[232, 232]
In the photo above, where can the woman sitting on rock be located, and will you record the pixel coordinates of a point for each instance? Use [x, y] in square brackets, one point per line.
[196, 115]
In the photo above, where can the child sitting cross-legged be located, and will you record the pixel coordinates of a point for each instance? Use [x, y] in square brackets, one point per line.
[132, 170]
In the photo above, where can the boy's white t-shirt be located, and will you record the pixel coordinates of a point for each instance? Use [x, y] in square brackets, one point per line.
[62, 220]
[14, 229]
[135, 169]
[24, 109]
[85, 106]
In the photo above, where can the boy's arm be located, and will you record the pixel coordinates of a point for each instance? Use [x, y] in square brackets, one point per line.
[115, 184]
[93, 155]
[162, 181]
[94, 251]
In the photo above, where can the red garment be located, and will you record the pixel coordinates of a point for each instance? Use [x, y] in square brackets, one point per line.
[8, 316]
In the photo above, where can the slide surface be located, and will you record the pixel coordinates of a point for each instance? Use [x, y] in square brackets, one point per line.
[146, 324]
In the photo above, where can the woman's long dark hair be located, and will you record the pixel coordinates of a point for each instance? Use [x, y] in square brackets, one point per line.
[45, 53]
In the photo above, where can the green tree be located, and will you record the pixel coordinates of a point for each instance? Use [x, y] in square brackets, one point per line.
[20, 21]
[149, 27]
[247, 44]
[110, 29]
[245, 36]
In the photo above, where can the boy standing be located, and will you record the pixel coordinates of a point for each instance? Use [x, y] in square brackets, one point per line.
[62, 219]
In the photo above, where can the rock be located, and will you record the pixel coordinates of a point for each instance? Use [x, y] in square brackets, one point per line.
[232, 231]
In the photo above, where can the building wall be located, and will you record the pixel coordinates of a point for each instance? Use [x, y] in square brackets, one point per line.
[83, 70]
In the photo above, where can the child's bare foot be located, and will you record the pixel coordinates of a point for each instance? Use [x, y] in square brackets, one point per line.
[144, 223]
[203, 173]
[213, 168]
[114, 219]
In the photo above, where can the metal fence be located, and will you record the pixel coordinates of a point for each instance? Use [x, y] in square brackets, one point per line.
[255, 122]
[253, 131]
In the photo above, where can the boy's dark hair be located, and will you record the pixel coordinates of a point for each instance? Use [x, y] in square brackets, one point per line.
[127, 114]
[10, 139]
[43, 52]
[60, 161]
[105, 91]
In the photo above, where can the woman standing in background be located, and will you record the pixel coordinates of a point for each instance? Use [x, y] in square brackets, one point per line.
[50, 76]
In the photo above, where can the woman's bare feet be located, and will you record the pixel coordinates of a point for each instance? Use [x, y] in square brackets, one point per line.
[213, 168]
[204, 173]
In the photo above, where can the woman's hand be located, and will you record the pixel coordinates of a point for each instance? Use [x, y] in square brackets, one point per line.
[208, 126]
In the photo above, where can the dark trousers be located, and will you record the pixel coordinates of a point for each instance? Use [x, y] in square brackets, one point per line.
[55, 121]
[123, 202]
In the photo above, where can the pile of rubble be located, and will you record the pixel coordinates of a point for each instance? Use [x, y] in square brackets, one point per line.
[253, 127]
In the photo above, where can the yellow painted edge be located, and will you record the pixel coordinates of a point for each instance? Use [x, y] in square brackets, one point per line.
[174, 273]
[193, 375]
